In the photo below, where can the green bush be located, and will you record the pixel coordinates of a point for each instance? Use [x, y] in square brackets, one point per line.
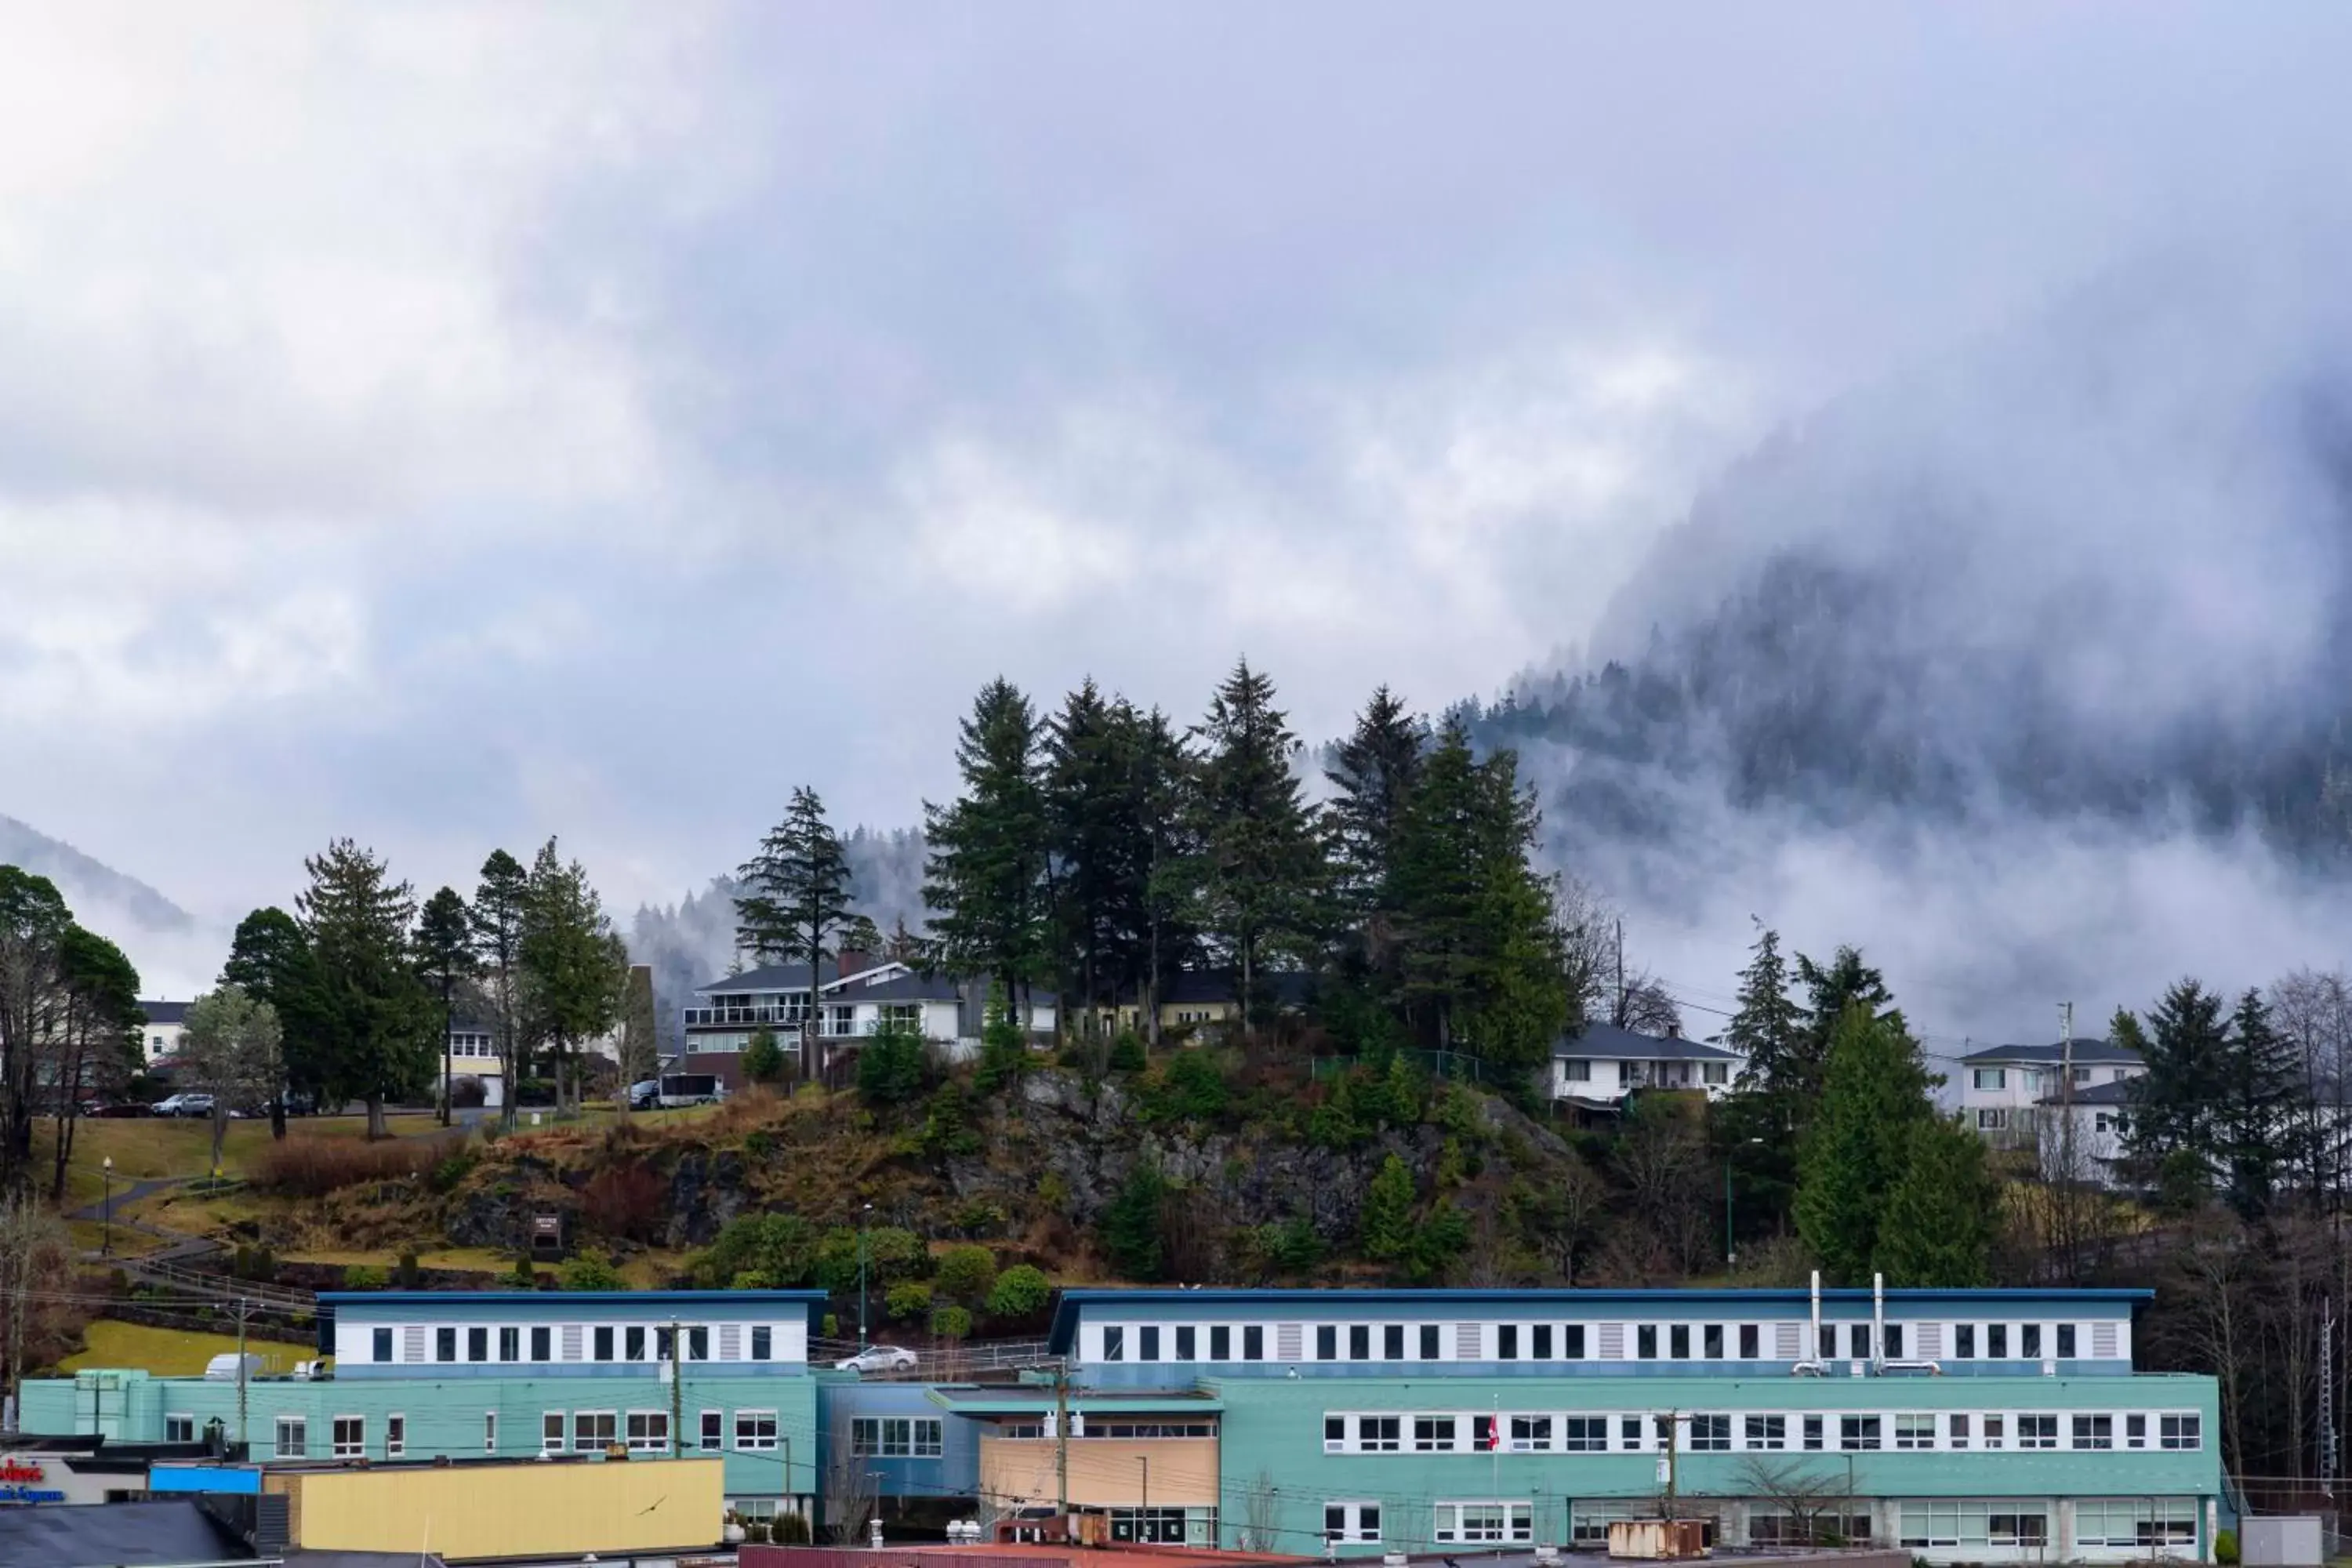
[907, 1299]
[965, 1275]
[752, 1280]
[892, 1254]
[2225, 1548]
[1004, 1054]
[790, 1530]
[364, 1277]
[448, 1172]
[589, 1271]
[947, 1131]
[1020, 1292]
[408, 1274]
[525, 1275]
[782, 1246]
[891, 1066]
[951, 1322]
[1126, 1053]
[1192, 1088]
[759, 1143]
[1286, 1248]
[831, 1327]
[1130, 1225]
[763, 1059]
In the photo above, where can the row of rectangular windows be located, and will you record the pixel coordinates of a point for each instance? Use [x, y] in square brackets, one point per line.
[1608, 1342]
[601, 1341]
[1081, 1429]
[1702, 1433]
[588, 1431]
[896, 1437]
[1930, 1522]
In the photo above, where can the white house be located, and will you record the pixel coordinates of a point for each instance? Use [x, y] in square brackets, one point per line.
[2005, 1089]
[166, 1022]
[1604, 1064]
[945, 1010]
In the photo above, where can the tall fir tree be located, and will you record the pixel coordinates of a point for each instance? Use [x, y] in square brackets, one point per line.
[1090, 842]
[1260, 862]
[1374, 773]
[272, 958]
[985, 882]
[2176, 1103]
[1766, 1026]
[1163, 776]
[573, 966]
[1875, 1092]
[1829, 990]
[795, 906]
[1758, 1126]
[95, 1036]
[1943, 1213]
[2261, 1109]
[444, 957]
[376, 1017]
[499, 903]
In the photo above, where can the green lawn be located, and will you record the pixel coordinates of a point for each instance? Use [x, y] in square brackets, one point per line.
[146, 1148]
[173, 1353]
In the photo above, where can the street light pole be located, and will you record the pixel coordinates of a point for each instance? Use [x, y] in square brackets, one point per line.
[864, 1218]
[108, 1164]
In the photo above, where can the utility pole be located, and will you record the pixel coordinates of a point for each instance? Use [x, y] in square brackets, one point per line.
[1143, 1513]
[241, 1373]
[1062, 1442]
[677, 1390]
[865, 1218]
[2327, 1396]
[2066, 1090]
[1620, 1020]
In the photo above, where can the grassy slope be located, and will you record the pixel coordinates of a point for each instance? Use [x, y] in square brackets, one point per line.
[173, 1353]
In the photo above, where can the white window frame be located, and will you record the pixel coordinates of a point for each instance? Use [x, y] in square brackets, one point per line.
[644, 1441]
[2000, 1077]
[183, 1418]
[2181, 1432]
[553, 1425]
[1763, 1432]
[748, 1438]
[710, 1432]
[1352, 1529]
[300, 1428]
[2039, 1438]
[1915, 1430]
[1516, 1522]
[611, 1419]
[489, 1431]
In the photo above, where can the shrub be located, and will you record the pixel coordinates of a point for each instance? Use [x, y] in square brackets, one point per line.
[782, 1246]
[525, 1275]
[831, 1327]
[951, 1322]
[589, 1271]
[408, 1274]
[467, 1094]
[909, 1299]
[752, 1280]
[946, 1128]
[790, 1530]
[1130, 1225]
[892, 1254]
[448, 1172]
[759, 1143]
[763, 1059]
[629, 1201]
[1192, 1088]
[364, 1277]
[890, 1066]
[965, 1274]
[1021, 1291]
[2225, 1547]
[1126, 1052]
[1286, 1248]
[314, 1165]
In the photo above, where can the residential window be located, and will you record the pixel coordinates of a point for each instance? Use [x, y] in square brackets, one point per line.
[1392, 1342]
[383, 1346]
[1858, 1432]
[179, 1428]
[2036, 1432]
[2178, 1432]
[2029, 1341]
[1433, 1433]
[510, 1344]
[1915, 1429]
[551, 1432]
[1531, 1433]
[1992, 1119]
[649, 1431]
[1645, 1342]
[1964, 1342]
[1996, 1342]
[1751, 1342]
[1114, 1344]
[1577, 1072]
[2082, 1075]
[1253, 1342]
[1993, 1426]
[1220, 1344]
[1584, 1434]
[1710, 1434]
[1326, 1342]
[1359, 1341]
[712, 1435]
[542, 1344]
[477, 1344]
[2066, 1341]
[1147, 1343]
[1710, 1345]
[1351, 1522]
[764, 1342]
[1812, 1432]
[1767, 1431]
[1572, 1341]
[1186, 1339]
[1956, 1429]
[755, 1429]
[1429, 1342]
[2093, 1432]
[489, 1433]
[1464, 1522]
[633, 1343]
[1678, 1341]
[1506, 1342]
[1378, 1434]
[603, 1339]
[444, 1344]
[293, 1438]
[592, 1430]
[1714, 1074]
[1991, 1078]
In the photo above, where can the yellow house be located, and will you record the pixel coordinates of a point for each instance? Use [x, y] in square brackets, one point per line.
[1202, 1001]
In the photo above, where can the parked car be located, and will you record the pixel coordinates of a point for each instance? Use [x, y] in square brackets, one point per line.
[644, 1094]
[117, 1108]
[187, 1105]
[877, 1358]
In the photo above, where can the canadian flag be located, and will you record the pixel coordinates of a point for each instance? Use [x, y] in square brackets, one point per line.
[1492, 1435]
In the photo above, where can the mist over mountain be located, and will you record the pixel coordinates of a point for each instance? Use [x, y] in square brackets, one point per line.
[2026, 670]
[102, 897]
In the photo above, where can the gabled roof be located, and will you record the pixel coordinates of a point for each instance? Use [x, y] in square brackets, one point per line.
[1607, 1042]
[2086, 1052]
[767, 977]
[910, 986]
[165, 1012]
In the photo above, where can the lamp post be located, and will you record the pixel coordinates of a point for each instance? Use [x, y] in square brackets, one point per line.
[107, 1165]
[865, 1218]
[1143, 1515]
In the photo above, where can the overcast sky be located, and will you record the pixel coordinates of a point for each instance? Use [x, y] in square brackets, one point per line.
[449, 425]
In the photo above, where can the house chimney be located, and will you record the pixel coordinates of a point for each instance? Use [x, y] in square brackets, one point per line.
[849, 963]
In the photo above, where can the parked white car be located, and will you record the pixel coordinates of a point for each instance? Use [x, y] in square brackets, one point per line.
[877, 1358]
[185, 1105]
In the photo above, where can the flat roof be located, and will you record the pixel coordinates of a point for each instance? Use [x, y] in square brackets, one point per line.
[1086, 1401]
[556, 1298]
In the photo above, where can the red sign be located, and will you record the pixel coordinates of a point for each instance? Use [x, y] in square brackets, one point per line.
[19, 1470]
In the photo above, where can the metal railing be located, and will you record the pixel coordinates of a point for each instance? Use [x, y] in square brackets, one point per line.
[220, 1288]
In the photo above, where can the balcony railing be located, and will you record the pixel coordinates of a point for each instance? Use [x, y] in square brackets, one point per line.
[758, 1013]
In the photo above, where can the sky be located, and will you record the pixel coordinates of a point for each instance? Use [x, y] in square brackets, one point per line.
[449, 425]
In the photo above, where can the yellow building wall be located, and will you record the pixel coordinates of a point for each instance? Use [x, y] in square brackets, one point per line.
[1105, 1472]
[508, 1511]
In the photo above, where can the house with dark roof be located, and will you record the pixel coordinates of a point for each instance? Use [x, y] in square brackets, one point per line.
[827, 1019]
[1602, 1064]
[1207, 1001]
[166, 1022]
[2005, 1091]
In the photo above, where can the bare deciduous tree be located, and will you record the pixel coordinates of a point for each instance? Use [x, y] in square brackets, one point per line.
[1661, 1155]
[232, 1049]
[1799, 1494]
[851, 1492]
[1261, 1512]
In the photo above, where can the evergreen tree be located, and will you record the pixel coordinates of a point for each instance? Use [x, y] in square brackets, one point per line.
[1767, 1027]
[794, 905]
[1829, 990]
[1091, 840]
[376, 1020]
[95, 1035]
[1131, 1225]
[1757, 1126]
[1260, 861]
[445, 956]
[1375, 773]
[861, 936]
[573, 965]
[640, 1036]
[34, 920]
[272, 958]
[500, 901]
[1875, 1092]
[1386, 1226]
[986, 875]
[2261, 1111]
[2176, 1103]
[1162, 779]
[1943, 1214]
[763, 1061]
